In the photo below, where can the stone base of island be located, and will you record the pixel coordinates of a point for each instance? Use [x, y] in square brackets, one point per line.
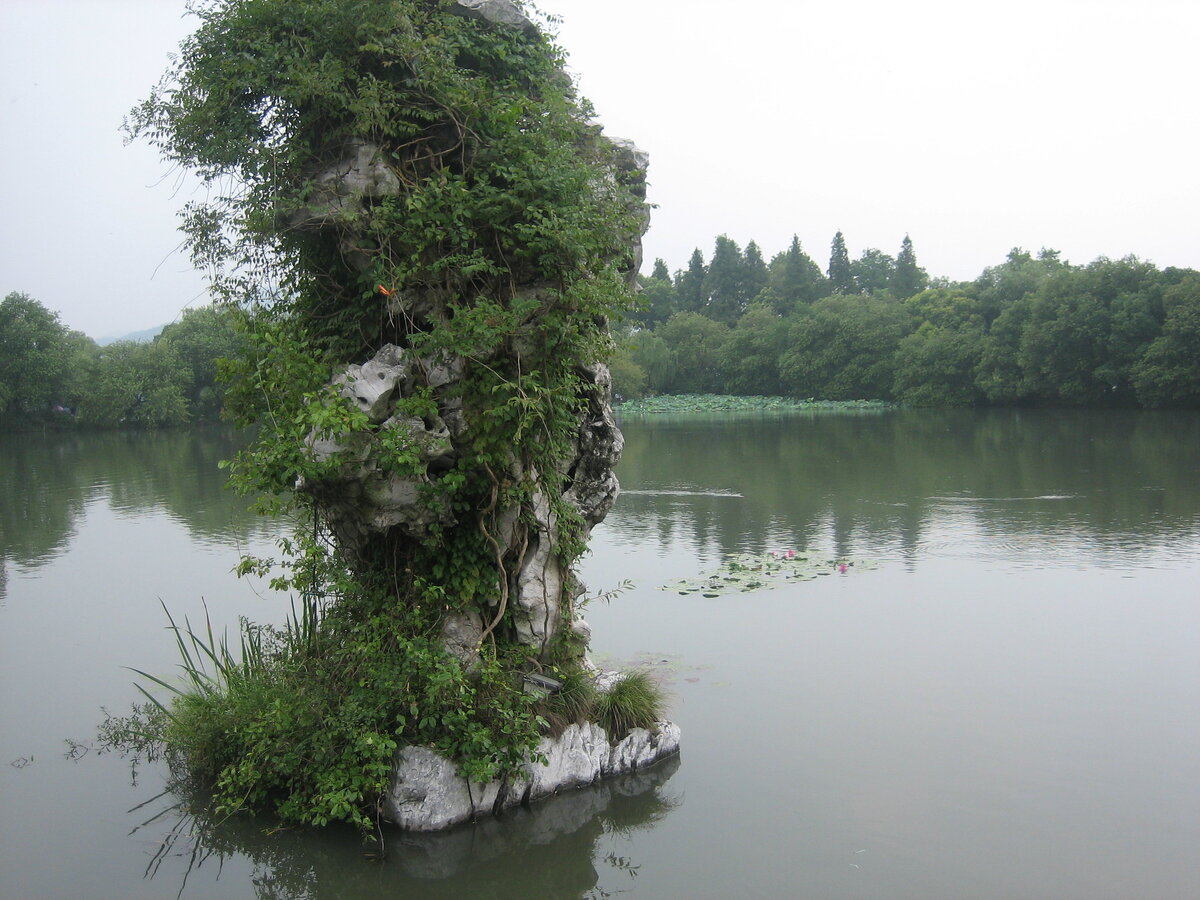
[428, 794]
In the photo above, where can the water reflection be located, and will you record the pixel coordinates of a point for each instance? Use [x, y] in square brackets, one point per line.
[908, 483]
[548, 849]
[47, 480]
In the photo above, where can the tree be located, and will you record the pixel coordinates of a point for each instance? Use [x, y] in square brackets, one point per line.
[873, 271]
[695, 342]
[1063, 344]
[946, 308]
[689, 284]
[935, 365]
[657, 302]
[999, 375]
[629, 379]
[1168, 372]
[651, 353]
[907, 277]
[843, 348]
[796, 278]
[202, 339]
[999, 287]
[33, 356]
[135, 385]
[754, 273]
[750, 353]
[841, 278]
[725, 283]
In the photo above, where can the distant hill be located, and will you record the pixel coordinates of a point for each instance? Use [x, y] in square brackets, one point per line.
[141, 337]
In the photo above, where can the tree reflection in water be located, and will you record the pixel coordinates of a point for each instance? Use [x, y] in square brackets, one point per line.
[548, 849]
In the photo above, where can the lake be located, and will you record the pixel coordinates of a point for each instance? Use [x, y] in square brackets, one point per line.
[992, 693]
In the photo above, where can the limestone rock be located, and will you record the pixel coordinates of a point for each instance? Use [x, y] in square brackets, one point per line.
[442, 854]
[641, 748]
[536, 604]
[495, 12]
[371, 387]
[427, 794]
[340, 190]
[461, 634]
[577, 757]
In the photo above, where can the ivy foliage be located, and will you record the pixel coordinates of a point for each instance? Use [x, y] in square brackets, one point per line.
[492, 231]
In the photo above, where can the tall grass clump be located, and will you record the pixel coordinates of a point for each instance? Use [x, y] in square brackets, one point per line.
[634, 701]
[573, 703]
[304, 721]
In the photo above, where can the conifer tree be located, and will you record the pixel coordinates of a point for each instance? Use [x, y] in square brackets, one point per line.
[907, 277]
[841, 278]
[724, 286]
[689, 284]
[754, 272]
[657, 300]
[796, 278]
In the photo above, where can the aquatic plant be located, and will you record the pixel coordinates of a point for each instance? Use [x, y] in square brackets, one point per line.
[745, 572]
[703, 403]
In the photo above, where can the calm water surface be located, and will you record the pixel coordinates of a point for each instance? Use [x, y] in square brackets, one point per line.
[1005, 706]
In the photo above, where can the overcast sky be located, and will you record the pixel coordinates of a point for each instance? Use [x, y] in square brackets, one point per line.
[974, 127]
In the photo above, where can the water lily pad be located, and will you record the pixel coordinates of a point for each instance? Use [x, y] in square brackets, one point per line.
[762, 571]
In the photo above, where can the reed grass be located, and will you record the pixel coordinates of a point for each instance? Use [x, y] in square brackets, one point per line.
[634, 701]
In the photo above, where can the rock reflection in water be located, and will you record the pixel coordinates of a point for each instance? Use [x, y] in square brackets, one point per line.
[547, 850]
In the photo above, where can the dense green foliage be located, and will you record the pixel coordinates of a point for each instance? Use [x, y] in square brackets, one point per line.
[52, 376]
[1028, 331]
[496, 246]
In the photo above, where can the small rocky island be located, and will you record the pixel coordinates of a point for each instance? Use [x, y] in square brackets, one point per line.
[428, 213]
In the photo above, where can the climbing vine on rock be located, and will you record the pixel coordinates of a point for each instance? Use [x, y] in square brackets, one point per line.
[426, 234]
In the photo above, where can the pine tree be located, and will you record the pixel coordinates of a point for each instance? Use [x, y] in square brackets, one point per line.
[841, 279]
[724, 287]
[689, 284]
[796, 278]
[657, 300]
[754, 272]
[907, 277]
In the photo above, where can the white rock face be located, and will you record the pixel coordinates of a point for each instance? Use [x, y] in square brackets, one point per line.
[427, 794]
[572, 820]
[497, 12]
[340, 189]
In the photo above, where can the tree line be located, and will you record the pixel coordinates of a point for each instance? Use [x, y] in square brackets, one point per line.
[1031, 330]
[50, 374]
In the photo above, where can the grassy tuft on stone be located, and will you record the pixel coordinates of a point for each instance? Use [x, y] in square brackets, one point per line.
[634, 701]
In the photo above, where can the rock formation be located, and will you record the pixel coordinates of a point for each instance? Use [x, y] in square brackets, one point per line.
[428, 794]
[368, 503]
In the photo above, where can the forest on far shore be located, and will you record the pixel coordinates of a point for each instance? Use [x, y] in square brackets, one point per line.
[1032, 330]
[52, 376]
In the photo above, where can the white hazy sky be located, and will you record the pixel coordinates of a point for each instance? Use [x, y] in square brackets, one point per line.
[974, 127]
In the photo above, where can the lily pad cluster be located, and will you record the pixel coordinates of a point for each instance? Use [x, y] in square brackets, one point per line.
[678, 403]
[745, 572]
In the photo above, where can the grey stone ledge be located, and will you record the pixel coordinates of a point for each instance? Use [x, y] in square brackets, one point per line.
[428, 794]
